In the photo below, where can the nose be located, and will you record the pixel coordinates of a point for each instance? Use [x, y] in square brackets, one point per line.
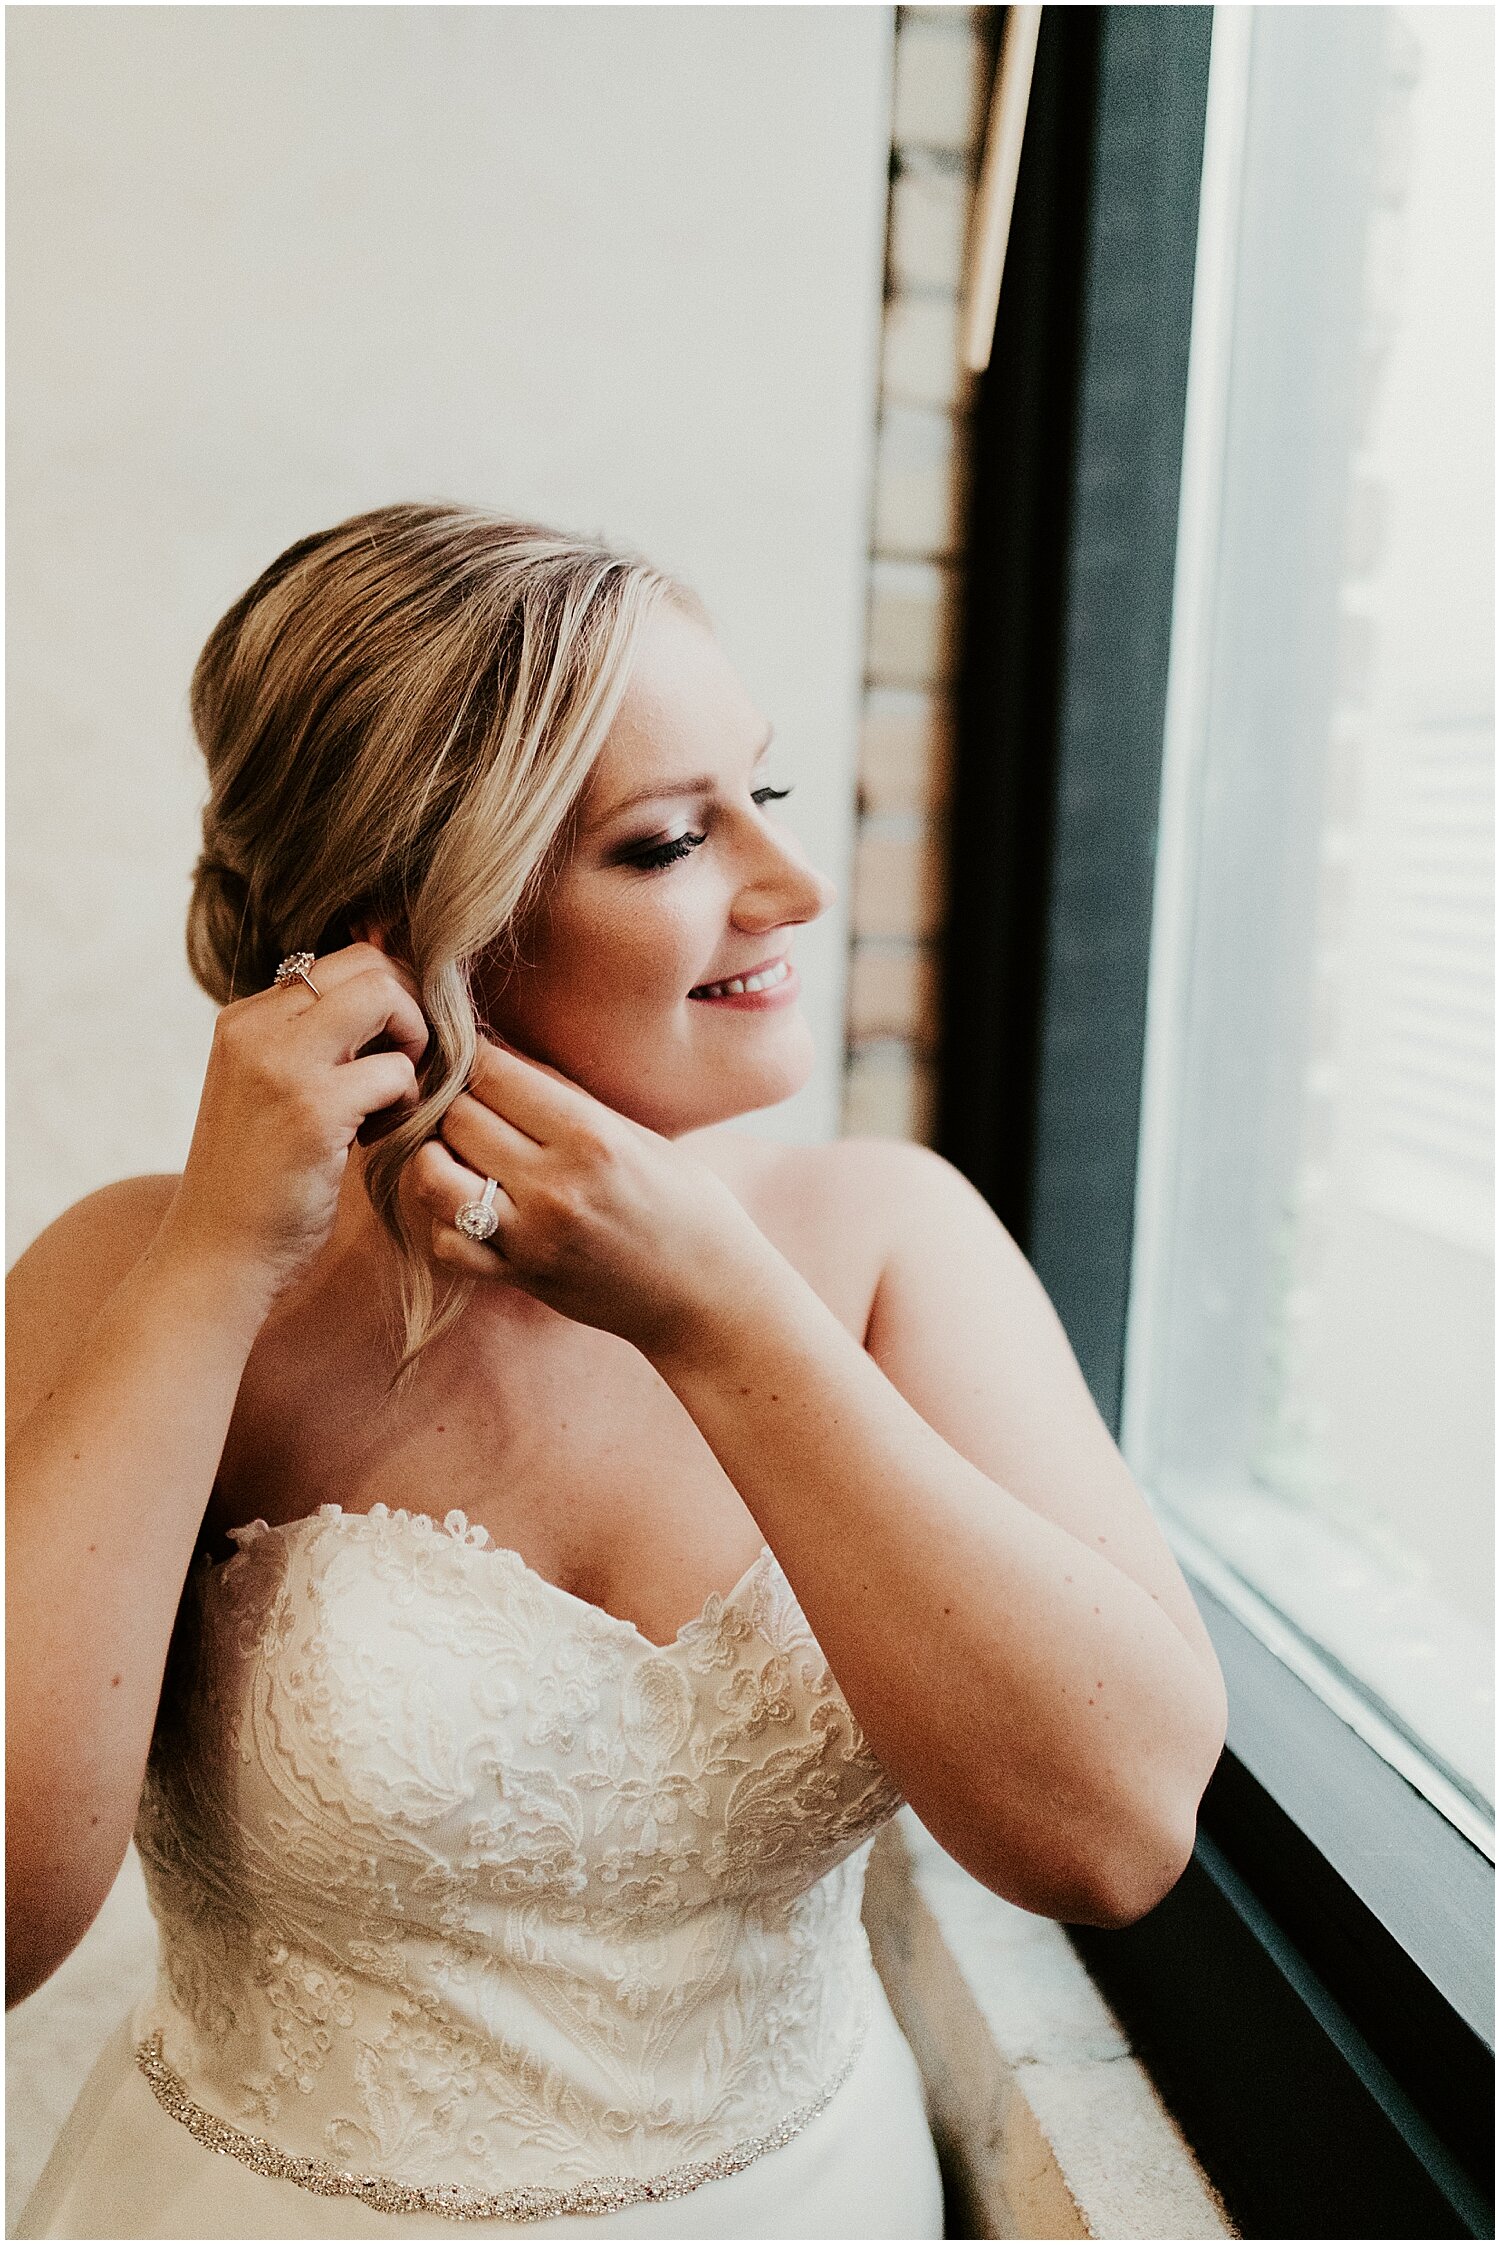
[784, 890]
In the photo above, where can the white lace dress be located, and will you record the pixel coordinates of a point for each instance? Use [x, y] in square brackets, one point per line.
[479, 1910]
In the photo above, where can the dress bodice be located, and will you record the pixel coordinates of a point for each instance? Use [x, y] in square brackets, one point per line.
[472, 1899]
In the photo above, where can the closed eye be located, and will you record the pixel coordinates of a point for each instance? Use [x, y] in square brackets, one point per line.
[667, 853]
[662, 854]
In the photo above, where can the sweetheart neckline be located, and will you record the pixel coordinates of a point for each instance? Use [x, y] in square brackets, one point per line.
[474, 1536]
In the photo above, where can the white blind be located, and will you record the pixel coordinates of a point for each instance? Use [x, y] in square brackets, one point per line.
[1429, 1154]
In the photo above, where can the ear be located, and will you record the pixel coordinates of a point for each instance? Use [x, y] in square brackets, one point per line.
[388, 939]
[365, 928]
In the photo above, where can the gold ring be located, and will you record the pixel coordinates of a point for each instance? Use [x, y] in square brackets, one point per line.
[293, 968]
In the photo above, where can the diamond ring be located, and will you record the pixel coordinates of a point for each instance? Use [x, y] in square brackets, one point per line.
[477, 1218]
[294, 968]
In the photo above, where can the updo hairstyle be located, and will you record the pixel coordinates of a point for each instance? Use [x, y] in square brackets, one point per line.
[398, 718]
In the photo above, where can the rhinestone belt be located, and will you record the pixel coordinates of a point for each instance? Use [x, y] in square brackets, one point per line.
[530, 2202]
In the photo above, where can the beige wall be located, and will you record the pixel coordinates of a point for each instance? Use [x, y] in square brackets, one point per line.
[617, 266]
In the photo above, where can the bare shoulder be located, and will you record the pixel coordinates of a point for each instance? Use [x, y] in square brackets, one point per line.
[56, 1288]
[865, 1175]
[883, 1178]
[863, 1198]
[108, 1229]
[893, 1167]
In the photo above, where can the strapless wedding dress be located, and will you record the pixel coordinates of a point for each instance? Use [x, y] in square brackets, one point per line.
[479, 1910]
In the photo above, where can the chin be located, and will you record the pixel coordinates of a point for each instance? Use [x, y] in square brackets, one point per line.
[695, 1097]
[765, 1079]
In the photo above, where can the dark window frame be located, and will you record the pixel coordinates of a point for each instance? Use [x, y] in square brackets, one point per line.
[1315, 1998]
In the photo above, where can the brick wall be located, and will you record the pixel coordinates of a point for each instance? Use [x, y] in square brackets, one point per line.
[941, 94]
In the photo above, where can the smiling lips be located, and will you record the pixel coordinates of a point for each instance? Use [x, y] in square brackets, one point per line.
[767, 985]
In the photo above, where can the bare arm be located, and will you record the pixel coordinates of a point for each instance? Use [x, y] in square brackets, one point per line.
[129, 1325]
[992, 1592]
[122, 1374]
[991, 1589]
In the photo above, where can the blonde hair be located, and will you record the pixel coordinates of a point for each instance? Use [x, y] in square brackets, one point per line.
[398, 718]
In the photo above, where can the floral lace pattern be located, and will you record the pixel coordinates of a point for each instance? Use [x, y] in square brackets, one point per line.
[460, 1879]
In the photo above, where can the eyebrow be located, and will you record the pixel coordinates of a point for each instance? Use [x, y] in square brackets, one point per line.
[675, 791]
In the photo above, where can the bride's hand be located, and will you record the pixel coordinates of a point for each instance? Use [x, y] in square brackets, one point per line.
[293, 1078]
[600, 1218]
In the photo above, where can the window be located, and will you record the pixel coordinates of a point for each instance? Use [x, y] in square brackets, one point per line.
[1215, 1041]
[1309, 1386]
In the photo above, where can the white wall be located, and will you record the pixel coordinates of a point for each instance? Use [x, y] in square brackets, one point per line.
[617, 267]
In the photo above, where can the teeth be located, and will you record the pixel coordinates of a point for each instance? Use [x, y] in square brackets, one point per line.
[766, 980]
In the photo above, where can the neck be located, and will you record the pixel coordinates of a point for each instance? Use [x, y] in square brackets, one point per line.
[358, 1259]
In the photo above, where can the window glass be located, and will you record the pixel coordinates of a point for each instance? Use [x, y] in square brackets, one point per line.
[1311, 1352]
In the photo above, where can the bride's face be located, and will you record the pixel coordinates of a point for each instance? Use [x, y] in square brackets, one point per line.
[679, 878]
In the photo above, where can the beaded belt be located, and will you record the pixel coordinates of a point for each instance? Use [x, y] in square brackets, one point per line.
[531, 2202]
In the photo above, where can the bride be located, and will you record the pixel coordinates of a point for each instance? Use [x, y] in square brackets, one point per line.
[505, 1545]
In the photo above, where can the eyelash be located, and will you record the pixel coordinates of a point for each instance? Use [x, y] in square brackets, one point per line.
[663, 854]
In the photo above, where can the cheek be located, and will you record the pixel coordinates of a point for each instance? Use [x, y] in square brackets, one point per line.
[651, 945]
[614, 956]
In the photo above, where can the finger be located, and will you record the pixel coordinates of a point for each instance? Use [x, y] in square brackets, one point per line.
[352, 1012]
[466, 1256]
[380, 1080]
[487, 1141]
[333, 968]
[358, 958]
[334, 971]
[538, 1099]
[442, 1186]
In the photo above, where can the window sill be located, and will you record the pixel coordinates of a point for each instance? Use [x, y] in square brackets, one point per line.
[1046, 2124]
[1314, 1996]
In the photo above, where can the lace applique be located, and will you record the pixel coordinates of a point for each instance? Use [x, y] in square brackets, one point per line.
[457, 1877]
